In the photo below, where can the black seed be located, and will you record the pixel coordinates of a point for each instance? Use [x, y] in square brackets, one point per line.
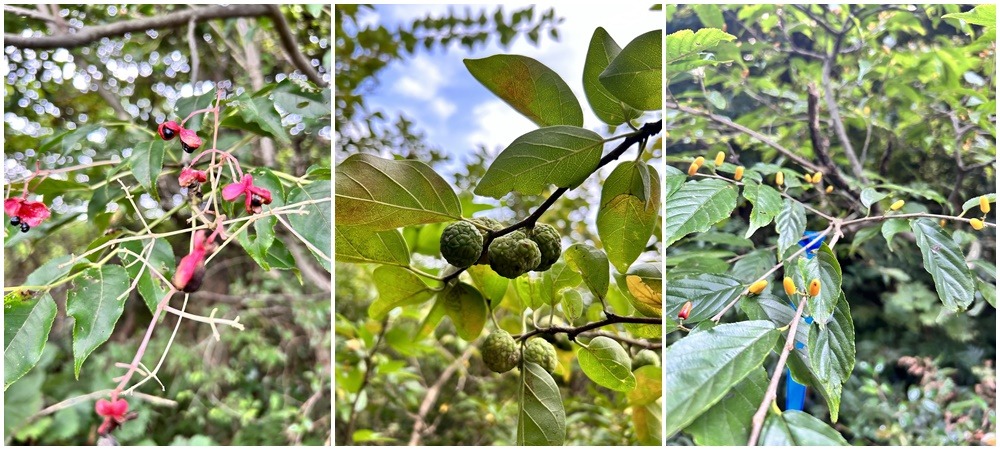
[186, 148]
[15, 221]
[24, 227]
[255, 200]
[195, 282]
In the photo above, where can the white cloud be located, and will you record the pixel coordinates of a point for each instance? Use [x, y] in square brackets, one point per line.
[497, 124]
[443, 108]
[424, 81]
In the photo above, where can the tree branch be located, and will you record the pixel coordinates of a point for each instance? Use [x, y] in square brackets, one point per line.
[831, 105]
[87, 35]
[292, 47]
[573, 332]
[821, 144]
[772, 387]
[432, 394]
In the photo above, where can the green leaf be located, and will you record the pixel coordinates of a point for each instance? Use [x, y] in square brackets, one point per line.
[467, 309]
[572, 303]
[892, 227]
[753, 265]
[702, 367]
[870, 196]
[606, 363]
[258, 244]
[790, 224]
[384, 194]
[26, 327]
[530, 87]
[944, 260]
[315, 226]
[606, 106]
[558, 278]
[831, 354]
[490, 284]
[766, 204]
[644, 283]
[710, 16]
[982, 15]
[728, 423]
[648, 423]
[49, 272]
[396, 287]
[635, 76]
[798, 428]
[559, 155]
[825, 267]
[260, 111]
[161, 257]
[362, 245]
[974, 202]
[708, 294]
[684, 48]
[95, 302]
[541, 419]
[696, 207]
[630, 204]
[674, 180]
[295, 99]
[146, 162]
[532, 291]
[592, 264]
[187, 105]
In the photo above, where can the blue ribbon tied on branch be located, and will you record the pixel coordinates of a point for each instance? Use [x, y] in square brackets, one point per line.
[795, 392]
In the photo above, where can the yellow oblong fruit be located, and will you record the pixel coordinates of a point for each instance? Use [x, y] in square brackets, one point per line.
[984, 204]
[739, 173]
[817, 177]
[699, 161]
[789, 286]
[692, 169]
[757, 287]
[976, 224]
[720, 158]
[779, 178]
[829, 189]
[809, 178]
[898, 204]
[814, 287]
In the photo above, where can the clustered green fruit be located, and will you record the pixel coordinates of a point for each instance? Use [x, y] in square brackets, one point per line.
[499, 351]
[461, 244]
[541, 352]
[645, 358]
[547, 239]
[513, 254]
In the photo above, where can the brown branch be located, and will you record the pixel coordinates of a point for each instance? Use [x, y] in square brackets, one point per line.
[87, 35]
[573, 332]
[292, 48]
[420, 425]
[772, 387]
[369, 370]
[831, 105]
[821, 144]
[29, 13]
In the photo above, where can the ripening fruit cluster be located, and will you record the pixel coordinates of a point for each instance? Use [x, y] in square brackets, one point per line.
[984, 206]
[510, 255]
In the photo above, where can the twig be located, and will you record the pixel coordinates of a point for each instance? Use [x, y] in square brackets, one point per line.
[291, 47]
[151, 399]
[772, 387]
[420, 425]
[349, 433]
[573, 332]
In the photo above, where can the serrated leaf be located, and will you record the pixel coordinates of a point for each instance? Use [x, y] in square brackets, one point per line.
[982, 15]
[892, 227]
[146, 162]
[708, 294]
[161, 257]
[259, 242]
[635, 76]
[362, 245]
[467, 309]
[606, 363]
[766, 204]
[753, 265]
[825, 267]
[684, 47]
[95, 303]
[870, 196]
[530, 87]
[696, 207]
[593, 266]
[608, 108]
[26, 326]
[541, 419]
[831, 354]
[798, 428]
[384, 194]
[559, 155]
[944, 260]
[790, 224]
[630, 204]
[260, 111]
[729, 422]
[702, 367]
[396, 287]
[315, 226]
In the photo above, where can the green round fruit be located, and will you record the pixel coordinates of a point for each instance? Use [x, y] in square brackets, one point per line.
[645, 358]
[487, 222]
[547, 239]
[514, 254]
[541, 352]
[499, 351]
[461, 244]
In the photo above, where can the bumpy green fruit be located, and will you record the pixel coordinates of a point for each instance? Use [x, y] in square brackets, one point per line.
[461, 244]
[487, 222]
[547, 239]
[645, 358]
[541, 352]
[500, 351]
[514, 254]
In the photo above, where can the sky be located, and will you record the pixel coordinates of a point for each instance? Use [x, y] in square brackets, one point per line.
[435, 90]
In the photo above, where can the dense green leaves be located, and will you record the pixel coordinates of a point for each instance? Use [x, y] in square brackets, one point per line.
[790, 224]
[982, 15]
[146, 162]
[708, 294]
[766, 204]
[314, 226]
[696, 206]
[396, 287]
[467, 309]
[798, 428]
[824, 267]
[944, 260]
[383, 194]
[592, 264]
[26, 327]
[702, 367]
[602, 50]
[259, 242]
[831, 354]
[606, 363]
[684, 49]
[95, 303]
[530, 87]
[728, 422]
[362, 245]
[161, 256]
[635, 76]
[630, 203]
[541, 419]
[559, 155]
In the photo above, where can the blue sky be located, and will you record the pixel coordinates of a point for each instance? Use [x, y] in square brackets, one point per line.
[435, 90]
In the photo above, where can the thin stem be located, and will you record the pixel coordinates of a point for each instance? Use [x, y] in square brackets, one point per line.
[772, 387]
